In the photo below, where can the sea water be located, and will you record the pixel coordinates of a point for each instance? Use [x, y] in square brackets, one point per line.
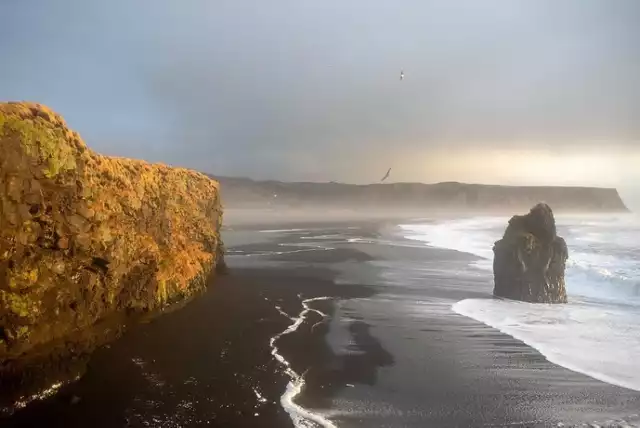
[418, 272]
[598, 332]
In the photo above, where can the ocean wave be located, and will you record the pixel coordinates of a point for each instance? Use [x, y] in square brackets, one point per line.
[604, 252]
[598, 341]
[597, 332]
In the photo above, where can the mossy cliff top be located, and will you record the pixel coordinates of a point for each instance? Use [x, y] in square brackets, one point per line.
[84, 236]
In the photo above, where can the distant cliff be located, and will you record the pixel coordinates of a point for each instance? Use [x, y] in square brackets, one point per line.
[87, 242]
[450, 196]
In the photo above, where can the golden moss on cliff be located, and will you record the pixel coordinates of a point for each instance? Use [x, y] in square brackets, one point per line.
[84, 236]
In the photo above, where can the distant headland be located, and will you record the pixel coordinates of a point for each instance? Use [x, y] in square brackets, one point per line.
[447, 196]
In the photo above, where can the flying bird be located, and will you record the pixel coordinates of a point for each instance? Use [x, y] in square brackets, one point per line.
[401, 74]
[386, 175]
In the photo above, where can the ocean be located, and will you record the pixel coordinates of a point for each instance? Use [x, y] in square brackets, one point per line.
[596, 333]
[379, 325]
[445, 358]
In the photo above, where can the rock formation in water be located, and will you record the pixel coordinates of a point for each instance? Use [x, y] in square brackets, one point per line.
[529, 260]
[88, 241]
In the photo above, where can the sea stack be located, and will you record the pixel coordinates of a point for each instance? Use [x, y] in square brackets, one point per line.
[529, 261]
[88, 242]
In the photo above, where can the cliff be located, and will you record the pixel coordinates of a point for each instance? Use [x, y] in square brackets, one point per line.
[529, 261]
[243, 192]
[88, 241]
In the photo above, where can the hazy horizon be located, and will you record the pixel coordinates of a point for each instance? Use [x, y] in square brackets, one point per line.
[495, 92]
[391, 182]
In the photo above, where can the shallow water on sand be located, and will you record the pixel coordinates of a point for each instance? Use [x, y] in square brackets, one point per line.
[442, 369]
[252, 352]
[598, 332]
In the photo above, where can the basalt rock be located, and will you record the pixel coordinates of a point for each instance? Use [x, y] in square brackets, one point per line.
[87, 242]
[529, 260]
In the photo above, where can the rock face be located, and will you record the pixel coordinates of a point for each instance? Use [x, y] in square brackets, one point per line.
[529, 260]
[89, 241]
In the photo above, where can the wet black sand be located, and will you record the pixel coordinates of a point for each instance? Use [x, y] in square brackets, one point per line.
[200, 365]
[210, 364]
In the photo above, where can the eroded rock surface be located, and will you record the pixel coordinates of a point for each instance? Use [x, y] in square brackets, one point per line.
[529, 260]
[88, 240]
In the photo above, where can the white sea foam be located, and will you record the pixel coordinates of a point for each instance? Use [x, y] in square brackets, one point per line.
[604, 252]
[301, 417]
[329, 236]
[259, 397]
[474, 235]
[601, 342]
[283, 313]
[597, 332]
[281, 230]
[45, 393]
[302, 248]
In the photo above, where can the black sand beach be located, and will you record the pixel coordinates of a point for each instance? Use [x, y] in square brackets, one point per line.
[211, 364]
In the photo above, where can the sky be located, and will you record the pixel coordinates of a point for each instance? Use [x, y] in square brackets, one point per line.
[495, 91]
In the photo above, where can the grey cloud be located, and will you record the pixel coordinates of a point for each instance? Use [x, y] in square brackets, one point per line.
[298, 77]
[297, 89]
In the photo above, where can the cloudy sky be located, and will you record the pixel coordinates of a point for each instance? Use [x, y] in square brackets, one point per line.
[510, 91]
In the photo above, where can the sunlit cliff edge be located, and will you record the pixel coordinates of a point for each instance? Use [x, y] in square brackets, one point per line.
[417, 197]
[87, 242]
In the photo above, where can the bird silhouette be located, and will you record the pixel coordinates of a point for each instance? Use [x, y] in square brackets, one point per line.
[386, 175]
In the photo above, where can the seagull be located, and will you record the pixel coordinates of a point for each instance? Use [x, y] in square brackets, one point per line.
[386, 175]
[401, 74]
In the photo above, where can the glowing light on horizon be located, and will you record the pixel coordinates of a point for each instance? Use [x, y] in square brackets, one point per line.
[603, 168]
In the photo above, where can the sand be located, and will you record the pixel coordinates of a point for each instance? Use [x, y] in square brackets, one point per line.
[210, 363]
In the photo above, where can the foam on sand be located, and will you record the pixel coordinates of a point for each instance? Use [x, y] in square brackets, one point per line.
[597, 332]
[473, 235]
[301, 417]
[602, 342]
[281, 230]
[604, 251]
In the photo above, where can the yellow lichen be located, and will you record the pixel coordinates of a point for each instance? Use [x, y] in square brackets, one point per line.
[162, 295]
[21, 332]
[19, 305]
[24, 278]
[40, 139]
[125, 233]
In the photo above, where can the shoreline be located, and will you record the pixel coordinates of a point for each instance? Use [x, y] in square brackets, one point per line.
[213, 362]
[120, 375]
[297, 413]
